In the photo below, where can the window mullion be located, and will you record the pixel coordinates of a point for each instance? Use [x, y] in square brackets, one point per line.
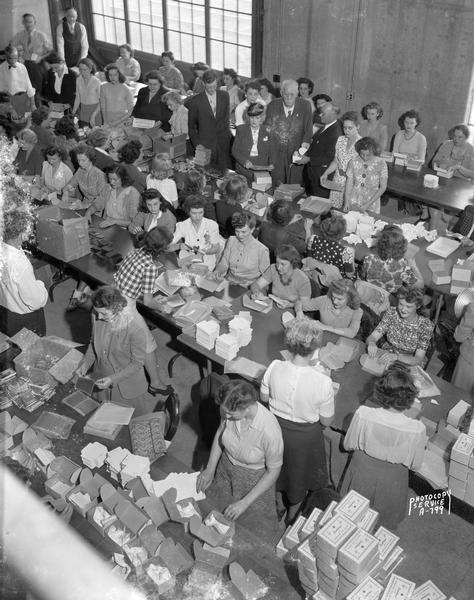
[127, 24]
[207, 23]
[165, 25]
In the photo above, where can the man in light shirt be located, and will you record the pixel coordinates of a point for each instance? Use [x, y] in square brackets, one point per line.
[71, 37]
[15, 81]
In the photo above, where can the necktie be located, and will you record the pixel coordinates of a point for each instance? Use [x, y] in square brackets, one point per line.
[12, 66]
[288, 116]
[213, 105]
[28, 42]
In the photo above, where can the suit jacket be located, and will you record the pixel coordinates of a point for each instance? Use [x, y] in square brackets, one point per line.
[211, 131]
[68, 88]
[290, 134]
[103, 161]
[120, 354]
[323, 147]
[156, 109]
[243, 143]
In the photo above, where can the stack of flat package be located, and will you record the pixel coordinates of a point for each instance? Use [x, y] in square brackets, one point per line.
[207, 333]
[461, 469]
[240, 328]
[114, 461]
[134, 466]
[227, 346]
[108, 420]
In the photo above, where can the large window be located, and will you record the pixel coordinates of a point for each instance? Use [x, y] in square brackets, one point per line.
[218, 32]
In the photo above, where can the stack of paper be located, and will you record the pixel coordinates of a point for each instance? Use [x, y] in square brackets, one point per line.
[20, 394]
[134, 466]
[184, 483]
[93, 455]
[54, 426]
[107, 420]
[227, 346]
[206, 333]
[11, 425]
[240, 327]
[81, 403]
[6, 376]
[114, 461]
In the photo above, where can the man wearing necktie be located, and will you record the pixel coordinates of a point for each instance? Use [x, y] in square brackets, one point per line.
[15, 81]
[290, 120]
[71, 37]
[208, 121]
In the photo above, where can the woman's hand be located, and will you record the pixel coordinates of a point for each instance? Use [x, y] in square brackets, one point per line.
[282, 303]
[104, 383]
[372, 349]
[134, 229]
[81, 370]
[270, 167]
[204, 480]
[258, 295]
[387, 358]
[466, 242]
[234, 510]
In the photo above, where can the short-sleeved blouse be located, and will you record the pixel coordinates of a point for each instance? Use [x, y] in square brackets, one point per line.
[415, 146]
[389, 274]
[378, 133]
[131, 69]
[298, 286]
[88, 93]
[366, 181]
[449, 155]
[405, 336]
[387, 435]
[332, 253]
[122, 206]
[257, 446]
[344, 318]
[298, 393]
[58, 178]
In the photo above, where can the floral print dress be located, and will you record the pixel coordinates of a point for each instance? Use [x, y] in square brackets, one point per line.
[388, 274]
[345, 151]
[366, 177]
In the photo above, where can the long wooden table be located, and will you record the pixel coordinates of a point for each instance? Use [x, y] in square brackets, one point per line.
[452, 195]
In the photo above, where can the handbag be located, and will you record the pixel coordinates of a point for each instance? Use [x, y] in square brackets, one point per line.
[147, 435]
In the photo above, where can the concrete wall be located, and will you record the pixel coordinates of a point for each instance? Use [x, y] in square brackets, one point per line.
[10, 17]
[403, 53]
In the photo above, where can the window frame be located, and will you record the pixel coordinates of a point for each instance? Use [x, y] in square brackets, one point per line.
[256, 34]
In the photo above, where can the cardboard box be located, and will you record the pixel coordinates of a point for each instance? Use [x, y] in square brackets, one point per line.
[174, 556]
[215, 530]
[397, 588]
[369, 589]
[310, 524]
[463, 449]
[353, 506]
[62, 233]
[88, 485]
[456, 414]
[331, 537]
[428, 591]
[217, 557]
[182, 511]
[369, 520]
[441, 271]
[387, 541]
[460, 278]
[100, 518]
[458, 470]
[161, 576]
[175, 147]
[358, 552]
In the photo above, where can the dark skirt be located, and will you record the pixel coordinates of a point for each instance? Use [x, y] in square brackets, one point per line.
[304, 460]
[385, 484]
[11, 322]
[236, 481]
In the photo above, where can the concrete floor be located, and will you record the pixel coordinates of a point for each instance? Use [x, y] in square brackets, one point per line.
[438, 547]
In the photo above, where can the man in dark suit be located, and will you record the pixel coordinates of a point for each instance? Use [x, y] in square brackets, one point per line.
[253, 145]
[59, 73]
[208, 121]
[290, 120]
[322, 150]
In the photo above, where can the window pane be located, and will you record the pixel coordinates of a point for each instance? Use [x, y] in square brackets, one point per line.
[173, 14]
[135, 36]
[145, 14]
[245, 30]
[230, 26]
[216, 24]
[120, 31]
[147, 39]
[230, 4]
[174, 43]
[245, 6]
[97, 6]
[230, 54]
[156, 11]
[186, 19]
[99, 28]
[217, 60]
[110, 30]
[158, 40]
[216, 3]
[133, 13]
[199, 22]
[199, 49]
[245, 61]
[187, 48]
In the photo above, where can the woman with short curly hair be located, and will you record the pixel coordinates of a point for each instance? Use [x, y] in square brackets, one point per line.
[326, 246]
[116, 99]
[406, 333]
[409, 141]
[386, 444]
[388, 267]
[22, 296]
[302, 399]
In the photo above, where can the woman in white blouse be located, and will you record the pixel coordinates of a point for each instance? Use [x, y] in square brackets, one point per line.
[199, 237]
[302, 399]
[386, 444]
[86, 102]
[56, 175]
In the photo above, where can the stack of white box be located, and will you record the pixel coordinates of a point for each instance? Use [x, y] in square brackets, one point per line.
[114, 461]
[93, 455]
[240, 327]
[461, 469]
[227, 346]
[207, 333]
[134, 466]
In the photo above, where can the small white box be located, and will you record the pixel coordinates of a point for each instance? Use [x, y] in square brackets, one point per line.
[457, 413]
[428, 591]
[463, 449]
